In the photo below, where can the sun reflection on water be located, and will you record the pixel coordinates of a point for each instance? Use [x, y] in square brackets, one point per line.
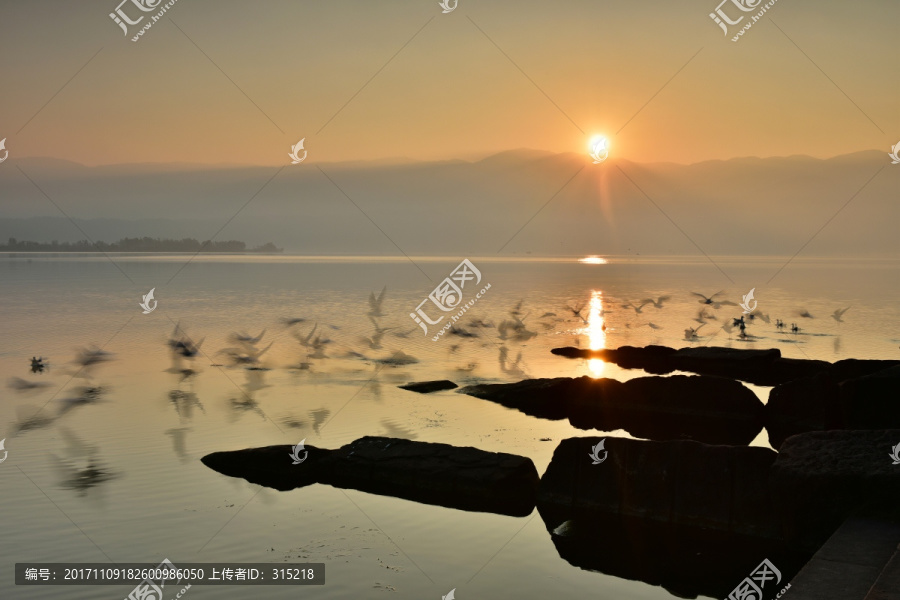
[596, 332]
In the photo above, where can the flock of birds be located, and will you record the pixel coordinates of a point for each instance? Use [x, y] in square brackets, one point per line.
[80, 469]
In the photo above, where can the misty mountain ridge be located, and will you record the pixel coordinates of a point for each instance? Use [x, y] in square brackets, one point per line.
[737, 206]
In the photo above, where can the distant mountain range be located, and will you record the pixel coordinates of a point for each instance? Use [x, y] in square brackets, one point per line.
[562, 203]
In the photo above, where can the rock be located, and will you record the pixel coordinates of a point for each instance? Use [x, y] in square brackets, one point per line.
[690, 517]
[871, 402]
[819, 478]
[426, 387]
[441, 474]
[760, 367]
[807, 404]
[851, 368]
[709, 409]
[271, 466]
[851, 394]
[677, 483]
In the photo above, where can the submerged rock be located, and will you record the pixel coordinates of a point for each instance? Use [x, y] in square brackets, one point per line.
[426, 387]
[456, 477]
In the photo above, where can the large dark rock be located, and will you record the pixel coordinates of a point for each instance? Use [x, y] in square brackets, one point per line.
[709, 409]
[808, 404]
[871, 402]
[441, 474]
[760, 367]
[426, 387]
[678, 483]
[851, 394]
[819, 478]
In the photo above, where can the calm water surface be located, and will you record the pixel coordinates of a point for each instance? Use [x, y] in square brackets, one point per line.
[156, 500]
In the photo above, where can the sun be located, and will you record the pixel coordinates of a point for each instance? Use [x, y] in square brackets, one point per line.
[598, 148]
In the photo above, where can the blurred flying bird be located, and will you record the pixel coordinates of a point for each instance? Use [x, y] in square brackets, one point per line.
[690, 333]
[658, 303]
[710, 300]
[838, 315]
[375, 303]
[20, 385]
[805, 314]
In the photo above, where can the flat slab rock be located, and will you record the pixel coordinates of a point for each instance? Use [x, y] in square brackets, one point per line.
[709, 409]
[456, 477]
[426, 387]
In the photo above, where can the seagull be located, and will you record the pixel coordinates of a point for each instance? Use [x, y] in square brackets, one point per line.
[375, 303]
[653, 326]
[375, 341]
[291, 321]
[243, 338]
[462, 332]
[762, 317]
[714, 303]
[576, 310]
[794, 328]
[182, 345]
[638, 308]
[517, 309]
[88, 357]
[37, 364]
[805, 314]
[838, 315]
[20, 385]
[658, 303]
[779, 324]
[690, 333]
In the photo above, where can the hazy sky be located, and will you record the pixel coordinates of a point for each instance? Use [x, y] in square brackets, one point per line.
[450, 92]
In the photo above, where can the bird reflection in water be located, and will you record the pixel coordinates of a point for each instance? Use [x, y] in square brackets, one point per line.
[79, 469]
[595, 329]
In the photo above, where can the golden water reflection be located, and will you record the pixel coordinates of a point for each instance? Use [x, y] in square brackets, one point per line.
[596, 332]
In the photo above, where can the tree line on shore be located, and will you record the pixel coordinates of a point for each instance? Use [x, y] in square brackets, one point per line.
[143, 244]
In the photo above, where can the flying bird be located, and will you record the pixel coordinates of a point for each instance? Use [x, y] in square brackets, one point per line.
[712, 301]
[838, 315]
[375, 303]
[658, 303]
[805, 314]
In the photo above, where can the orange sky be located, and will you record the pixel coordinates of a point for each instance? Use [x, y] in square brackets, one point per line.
[450, 92]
